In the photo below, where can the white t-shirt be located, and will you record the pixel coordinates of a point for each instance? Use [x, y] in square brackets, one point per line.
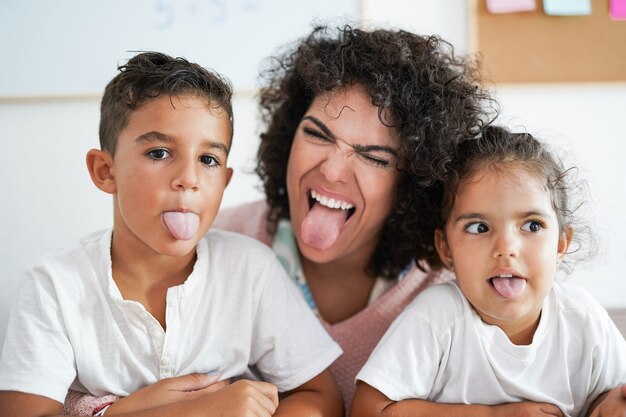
[440, 350]
[72, 328]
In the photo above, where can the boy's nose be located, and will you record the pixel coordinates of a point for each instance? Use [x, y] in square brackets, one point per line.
[186, 177]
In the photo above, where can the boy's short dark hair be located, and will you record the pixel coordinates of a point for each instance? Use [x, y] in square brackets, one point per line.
[150, 75]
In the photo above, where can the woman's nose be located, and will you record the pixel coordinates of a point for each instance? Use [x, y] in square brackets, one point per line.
[336, 167]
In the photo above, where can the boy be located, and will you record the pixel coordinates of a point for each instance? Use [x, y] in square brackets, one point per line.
[154, 298]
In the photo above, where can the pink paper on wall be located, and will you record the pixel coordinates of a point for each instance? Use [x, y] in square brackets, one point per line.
[510, 6]
[618, 9]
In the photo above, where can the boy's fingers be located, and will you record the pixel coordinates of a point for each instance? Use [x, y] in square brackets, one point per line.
[191, 382]
[268, 390]
[215, 386]
[623, 390]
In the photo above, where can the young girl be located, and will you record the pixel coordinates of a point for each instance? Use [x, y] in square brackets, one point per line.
[511, 340]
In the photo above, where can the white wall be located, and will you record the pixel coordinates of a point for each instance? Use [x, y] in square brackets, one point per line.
[48, 199]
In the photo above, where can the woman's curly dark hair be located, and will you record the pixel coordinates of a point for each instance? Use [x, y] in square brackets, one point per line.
[430, 97]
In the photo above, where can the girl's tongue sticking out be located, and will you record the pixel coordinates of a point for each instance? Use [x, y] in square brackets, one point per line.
[183, 226]
[509, 287]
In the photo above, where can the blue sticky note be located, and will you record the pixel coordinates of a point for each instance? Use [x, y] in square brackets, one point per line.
[510, 6]
[567, 7]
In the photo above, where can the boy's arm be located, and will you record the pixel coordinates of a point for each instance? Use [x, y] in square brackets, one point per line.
[611, 403]
[369, 402]
[242, 398]
[19, 404]
[318, 397]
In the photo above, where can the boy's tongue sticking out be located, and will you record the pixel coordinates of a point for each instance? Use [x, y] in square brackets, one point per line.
[183, 226]
[509, 287]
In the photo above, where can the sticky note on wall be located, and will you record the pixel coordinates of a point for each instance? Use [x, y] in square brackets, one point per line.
[618, 9]
[510, 6]
[567, 7]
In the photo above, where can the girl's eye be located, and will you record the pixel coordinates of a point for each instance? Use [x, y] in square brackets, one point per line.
[476, 228]
[159, 153]
[532, 226]
[209, 160]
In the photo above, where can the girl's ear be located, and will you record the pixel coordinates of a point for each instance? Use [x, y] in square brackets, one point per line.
[441, 244]
[100, 166]
[564, 241]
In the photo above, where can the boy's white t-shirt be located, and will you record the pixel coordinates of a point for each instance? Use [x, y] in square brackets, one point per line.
[440, 350]
[72, 328]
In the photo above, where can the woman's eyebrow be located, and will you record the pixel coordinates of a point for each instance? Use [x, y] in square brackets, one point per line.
[317, 122]
[370, 148]
[356, 147]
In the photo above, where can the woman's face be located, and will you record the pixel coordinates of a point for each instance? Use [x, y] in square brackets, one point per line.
[341, 177]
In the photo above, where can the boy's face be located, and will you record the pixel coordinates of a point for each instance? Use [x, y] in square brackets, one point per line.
[503, 241]
[169, 173]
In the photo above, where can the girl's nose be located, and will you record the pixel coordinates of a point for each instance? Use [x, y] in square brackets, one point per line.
[506, 246]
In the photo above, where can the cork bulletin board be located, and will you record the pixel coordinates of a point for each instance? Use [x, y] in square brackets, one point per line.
[532, 47]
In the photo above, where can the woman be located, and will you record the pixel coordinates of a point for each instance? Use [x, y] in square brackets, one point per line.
[358, 124]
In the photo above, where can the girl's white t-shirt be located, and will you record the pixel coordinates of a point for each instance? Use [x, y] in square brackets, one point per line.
[440, 350]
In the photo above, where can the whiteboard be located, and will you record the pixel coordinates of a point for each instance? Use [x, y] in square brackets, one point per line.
[73, 47]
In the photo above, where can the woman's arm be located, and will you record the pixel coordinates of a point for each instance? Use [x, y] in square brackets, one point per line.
[369, 402]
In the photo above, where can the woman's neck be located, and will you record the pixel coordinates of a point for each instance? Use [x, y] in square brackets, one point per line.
[340, 289]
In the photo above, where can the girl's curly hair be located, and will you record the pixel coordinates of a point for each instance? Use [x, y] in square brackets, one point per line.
[432, 99]
[501, 151]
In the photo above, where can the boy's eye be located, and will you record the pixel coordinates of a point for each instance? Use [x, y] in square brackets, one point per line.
[159, 153]
[532, 226]
[208, 160]
[476, 228]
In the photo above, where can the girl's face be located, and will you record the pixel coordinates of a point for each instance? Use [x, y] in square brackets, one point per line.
[503, 242]
[341, 177]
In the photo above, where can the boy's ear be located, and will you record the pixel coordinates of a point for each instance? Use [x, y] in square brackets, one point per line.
[441, 244]
[100, 166]
[229, 176]
[564, 241]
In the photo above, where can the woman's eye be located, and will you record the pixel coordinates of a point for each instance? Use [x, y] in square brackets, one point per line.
[315, 134]
[208, 160]
[532, 226]
[476, 228]
[158, 153]
[376, 161]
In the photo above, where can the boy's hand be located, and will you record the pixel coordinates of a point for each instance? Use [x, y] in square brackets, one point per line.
[243, 398]
[168, 391]
[526, 409]
[610, 404]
